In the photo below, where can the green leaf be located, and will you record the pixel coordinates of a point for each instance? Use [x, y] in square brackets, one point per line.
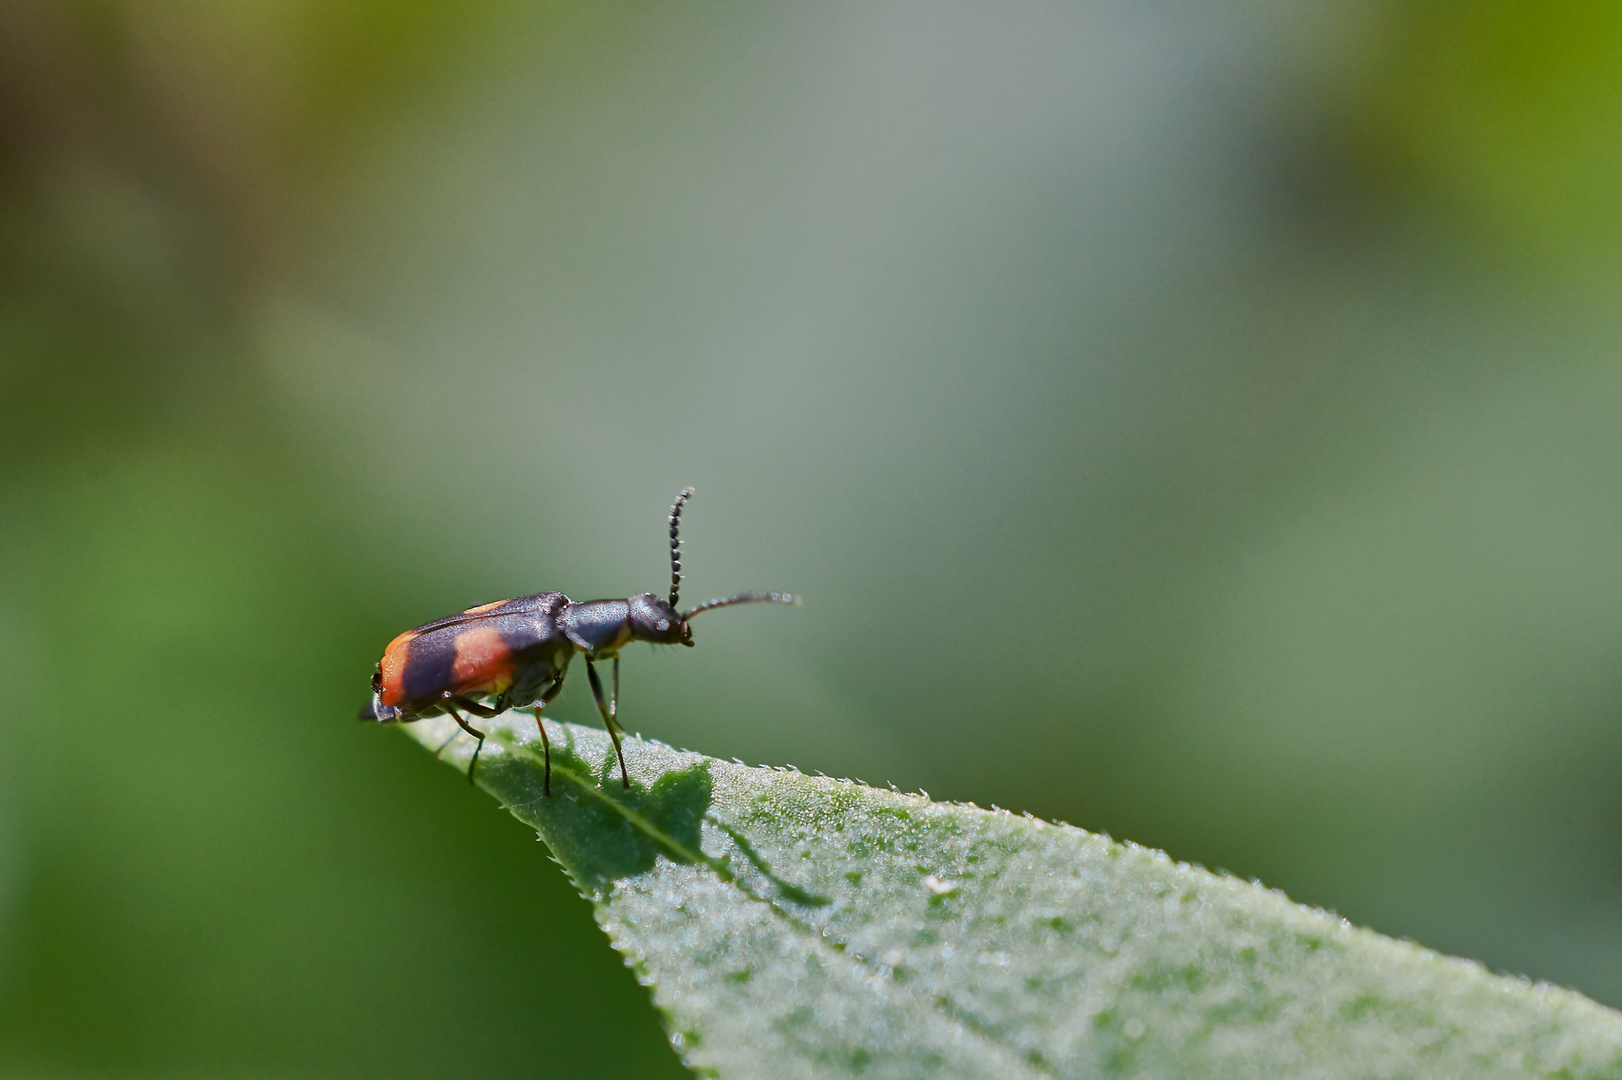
[797, 926]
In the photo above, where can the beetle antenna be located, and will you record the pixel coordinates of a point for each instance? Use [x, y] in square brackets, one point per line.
[675, 545]
[743, 598]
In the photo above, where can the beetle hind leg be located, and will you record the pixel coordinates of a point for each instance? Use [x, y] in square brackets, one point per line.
[473, 731]
[469, 705]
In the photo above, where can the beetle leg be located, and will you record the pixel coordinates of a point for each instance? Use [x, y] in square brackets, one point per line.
[476, 709]
[546, 751]
[608, 718]
[546, 745]
[471, 730]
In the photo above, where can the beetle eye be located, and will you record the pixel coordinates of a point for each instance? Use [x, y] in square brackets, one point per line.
[664, 624]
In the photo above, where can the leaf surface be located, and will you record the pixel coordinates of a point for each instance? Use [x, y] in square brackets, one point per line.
[798, 926]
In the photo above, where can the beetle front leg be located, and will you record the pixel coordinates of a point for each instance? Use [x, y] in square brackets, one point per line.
[471, 730]
[608, 717]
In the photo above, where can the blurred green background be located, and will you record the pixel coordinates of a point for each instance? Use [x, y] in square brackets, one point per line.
[1200, 422]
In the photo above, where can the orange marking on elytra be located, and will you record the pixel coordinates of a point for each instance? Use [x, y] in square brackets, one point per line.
[482, 608]
[484, 663]
[395, 658]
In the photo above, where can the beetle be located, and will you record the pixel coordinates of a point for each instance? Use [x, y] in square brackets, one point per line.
[513, 654]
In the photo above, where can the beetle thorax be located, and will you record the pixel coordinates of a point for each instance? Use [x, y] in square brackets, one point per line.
[597, 627]
[600, 627]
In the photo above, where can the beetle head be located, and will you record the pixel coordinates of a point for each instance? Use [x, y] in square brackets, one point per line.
[653, 619]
